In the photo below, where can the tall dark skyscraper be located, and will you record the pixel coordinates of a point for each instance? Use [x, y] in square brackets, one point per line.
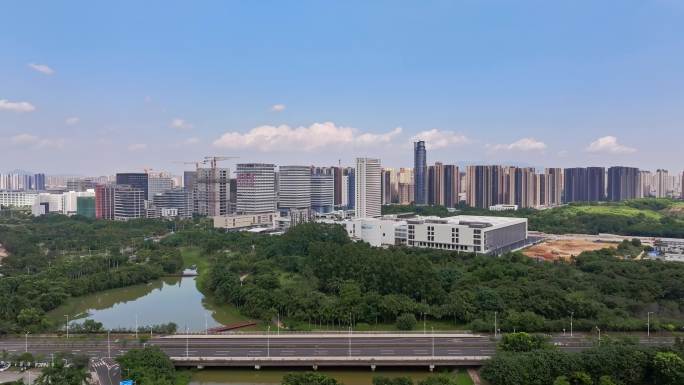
[39, 182]
[133, 179]
[584, 184]
[420, 173]
[623, 183]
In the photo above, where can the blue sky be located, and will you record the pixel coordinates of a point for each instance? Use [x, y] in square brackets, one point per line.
[97, 87]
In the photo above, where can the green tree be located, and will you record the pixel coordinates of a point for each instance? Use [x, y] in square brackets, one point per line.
[308, 378]
[522, 342]
[581, 378]
[561, 380]
[606, 380]
[149, 366]
[668, 368]
[60, 374]
[380, 380]
[406, 321]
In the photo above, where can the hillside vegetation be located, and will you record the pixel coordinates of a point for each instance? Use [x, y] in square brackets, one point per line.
[639, 217]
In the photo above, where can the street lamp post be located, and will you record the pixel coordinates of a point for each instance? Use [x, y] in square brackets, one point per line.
[26, 342]
[206, 325]
[350, 333]
[136, 326]
[187, 342]
[433, 342]
[572, 313]
[67, 325]
[599, 335]
[268, 342]
[495, 329]
[648, 324]
[109, 347]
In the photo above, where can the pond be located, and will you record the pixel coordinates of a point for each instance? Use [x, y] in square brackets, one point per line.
[171, 299]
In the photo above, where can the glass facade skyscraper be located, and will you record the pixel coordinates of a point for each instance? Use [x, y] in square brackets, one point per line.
[420, 172]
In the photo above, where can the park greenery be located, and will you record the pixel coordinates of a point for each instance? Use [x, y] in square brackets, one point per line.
[150, 366]
[640, 217]
[314, 378]
[54, 257]
[315, 276]
[611, 362]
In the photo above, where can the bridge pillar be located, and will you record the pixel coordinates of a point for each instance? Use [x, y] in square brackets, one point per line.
[315, 367]
[373, 367]
[432, 367]
[257, 367]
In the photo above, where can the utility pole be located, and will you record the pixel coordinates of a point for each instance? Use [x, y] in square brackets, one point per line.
[572, 313]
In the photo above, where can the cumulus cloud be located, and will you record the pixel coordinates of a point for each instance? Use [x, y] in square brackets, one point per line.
[436, 139]
[36, 142]
[524, 144]
[42, 68]
[315, 136]
[181, 124]
[16, 106]
[609, 145]
[278, 107]
[72, 120]
[137, 147]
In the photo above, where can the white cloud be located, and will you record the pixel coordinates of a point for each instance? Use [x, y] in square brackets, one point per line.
[72, 120]
[137, 147]
[278, 107]
[16, 106]
[181, 124]
[42, 68]
[192, 140]
[315, 136]
[36, 142]
[609, 145]
[524, 144]
[436, 139]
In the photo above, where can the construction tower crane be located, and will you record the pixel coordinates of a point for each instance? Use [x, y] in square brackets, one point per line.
[197, 164]
[213, 159]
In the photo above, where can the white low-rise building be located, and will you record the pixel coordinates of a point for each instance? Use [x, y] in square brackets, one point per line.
[239, 221]
[463, 233]
[17, 198]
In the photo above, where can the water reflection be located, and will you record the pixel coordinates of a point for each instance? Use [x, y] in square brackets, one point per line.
[171, 299]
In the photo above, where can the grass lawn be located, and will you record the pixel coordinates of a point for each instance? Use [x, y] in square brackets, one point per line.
[613, 210]
[462, 378]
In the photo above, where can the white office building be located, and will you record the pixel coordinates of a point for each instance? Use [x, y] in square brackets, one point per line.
[256, 188]
[157, 184]
[368, 190]
[17, 198]
[322, 193]
[294, 187]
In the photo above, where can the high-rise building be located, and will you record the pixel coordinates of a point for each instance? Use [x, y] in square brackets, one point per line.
[158, 184]
[189, 180]
[350, 172]
[137, 180]
[420, 173]
[525, 187]
[452, 185]
[368, 190]
[104, 201]
[647, 184]
[662, 185]
[584, 184]
[682, 186]
[171, 203]
[256, 188]
[322, 192]
[211, 191]
[337, 180]
[484, 186]
[80, 184]
[85, 206]
[553, 187]
[129, 202]
[294, 187]
[406, 187]
[623, 183]
[39, 182]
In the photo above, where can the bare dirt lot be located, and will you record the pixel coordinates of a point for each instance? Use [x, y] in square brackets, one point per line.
[564, 249]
